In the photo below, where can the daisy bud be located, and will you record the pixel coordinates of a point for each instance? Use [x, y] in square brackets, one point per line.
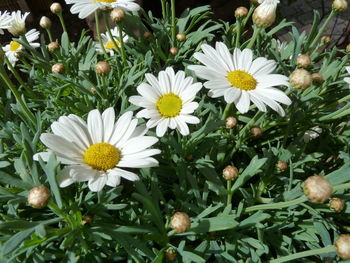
[57, 68]
[264, 15]
[256, 131]
[56, 8]
[92, 91]
[303, 61]
[348, 48]
[336, 204]
[38, 197]
[87, 220]
[53, 46]
[230, 173]
[180, 222]
[340, 5]
[300, 79]
[282, 166]
[342, 246]
[102, 68]
[325, 40]
[174, 51]
[117, 14]
[317, 189]
[317, 78]
[189, 157]
[181, 37]
[147, 34]
[170, 255]
[45, 22]
[241, 12]
[231, 122]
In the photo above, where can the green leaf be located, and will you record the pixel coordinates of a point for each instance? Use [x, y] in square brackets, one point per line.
[218, 223]
[14, 242]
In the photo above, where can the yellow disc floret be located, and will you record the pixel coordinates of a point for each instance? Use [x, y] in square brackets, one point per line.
[106, 1]
[14, 45]
[242, 80]
[110, 44]
[102, 156]
[169, 105]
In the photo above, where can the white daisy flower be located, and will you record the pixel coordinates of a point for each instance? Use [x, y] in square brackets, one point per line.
[167, 101]
[347, 79]
[312, 134]
[108, 43]
[86, 7]
[240, 79]
[14, 47]
[271, 2]
[97, 150]
[17, 25]
[5, 20]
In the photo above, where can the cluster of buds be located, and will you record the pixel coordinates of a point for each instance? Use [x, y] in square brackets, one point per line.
[38, 197]
[180, 222]
[300, 79]
[317, 189]
[230, 173]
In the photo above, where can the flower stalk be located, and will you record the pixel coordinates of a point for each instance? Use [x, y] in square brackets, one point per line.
[98, 31]
[122, 47]
[322, 29]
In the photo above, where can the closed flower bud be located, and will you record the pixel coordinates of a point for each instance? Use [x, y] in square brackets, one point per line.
[57, 68]
[303, 61]
[230, 173]
[317, 189]
[56, 8]
[241, 12]
[92, 91]
[348, 48]
[300, 79]
[181, 37]
[282, 166]
[102, 68]
[256, 131]
[342, 246]
[117, 14]
[340, 5]
[180, 222]
[231, 122]
[265, 14]
[336, 204]
[317, 78]
[87, 220]
[325, 40]
[174, 51]
[189, 157]
[53, 46]
[45, 22]
[38, 197]
[147, 34]
[170, 255]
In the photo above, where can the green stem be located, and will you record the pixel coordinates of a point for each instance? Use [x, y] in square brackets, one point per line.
[49, 34]
[15, 92]
[238, 32]
[229, 192]
[250, 12]
[254, 37]
[99, 34]
[62, 22]
[226, 111]
[323, 27]
[173, 24]
[54, 208]
[163, 9]
[105, 16]
[122, 47]
[304, 254]
[276, 205]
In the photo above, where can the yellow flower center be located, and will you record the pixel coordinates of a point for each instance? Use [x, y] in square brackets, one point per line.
[102, 156]
[110, 44]
[106, 1]
[14, 45]
[169, 105]
[242, 80]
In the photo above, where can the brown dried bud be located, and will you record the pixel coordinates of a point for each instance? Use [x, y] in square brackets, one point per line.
[230, 173]
[303, 61]
[189, 157]
[300, 79]
[181, 37]
[317, 189]
[56, 8]
[45, 22]
[342, 246]
[102, 68]
[241, 12]
[170, 255]
[340, 5]
[147, 34]
[336, 204]
[174, 51]
[317, 78]
[57, 68]
[53, 46]
[282, 166]
[348, 48]
[256, 131]
[87, 220]
[117, 15]
[180, 222]
[38, 197]
[231, 122]
[325, 40]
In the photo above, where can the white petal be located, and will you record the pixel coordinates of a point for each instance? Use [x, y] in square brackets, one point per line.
[108, 119]
[98, 182]
[243, 102]
[139, 163]
[120, 127]
[125, 174]
[138, 144]
[182, 126]
[63, 178]
[61, 146]
[162, 127]
[113, 179]
[95, 126]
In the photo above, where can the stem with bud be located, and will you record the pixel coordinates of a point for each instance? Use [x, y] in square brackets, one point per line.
[98, 32]
[105, 16]
[254, 37]
[323, 27]
[173, 24]
[122, 47]
[49, 34]
[62, 21]
[238, 32]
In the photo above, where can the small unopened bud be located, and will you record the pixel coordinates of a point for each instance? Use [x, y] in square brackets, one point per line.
[348, 48]
[147, 34]
[317, 189]
[174, 51]
[53, 46]
[170, 255]
[241, 12]
[45, 22]
[303, 61]
[57, 68]
[325, 40]
[181, 37]
[92, 91]
[230, 173]
[336, 204]
[282, 166]
[87, 220]
[117, 15]
[264, 15]
[317, 78]
[256, 131]
[340, 5]
[38, 197]
[189, 157]
[342, 246]
[180, 222]
[102, 68]
[56, 8]
[231, 122]
[300, 79]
